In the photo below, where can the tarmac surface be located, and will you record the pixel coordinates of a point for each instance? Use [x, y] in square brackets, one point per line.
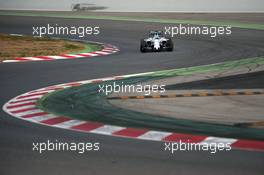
[116, 155]
[203, 100]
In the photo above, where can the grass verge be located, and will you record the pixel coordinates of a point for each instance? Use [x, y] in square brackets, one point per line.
[12, 46]
[85, 103]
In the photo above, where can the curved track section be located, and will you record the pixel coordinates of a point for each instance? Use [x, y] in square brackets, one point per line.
[105, 51]
[25, 107]
[117, 155]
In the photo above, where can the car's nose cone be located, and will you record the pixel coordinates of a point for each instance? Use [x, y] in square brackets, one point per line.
[156, 44]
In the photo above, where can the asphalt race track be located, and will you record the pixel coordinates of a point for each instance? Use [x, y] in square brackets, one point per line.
[116, 155]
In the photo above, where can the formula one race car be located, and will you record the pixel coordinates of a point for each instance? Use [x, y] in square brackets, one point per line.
[156, 42]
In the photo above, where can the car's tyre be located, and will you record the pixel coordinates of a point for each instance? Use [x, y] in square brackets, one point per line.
[170, 45]
[142, 46]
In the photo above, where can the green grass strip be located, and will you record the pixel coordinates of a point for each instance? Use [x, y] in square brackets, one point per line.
[85, 103]
[207, 68]
[89, 48]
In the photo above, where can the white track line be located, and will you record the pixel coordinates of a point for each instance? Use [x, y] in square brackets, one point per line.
[22, 107]
[107, 129]
[70, 123]
[19, 102]
[41, 118]
[154, 135]
[35, 111]
[218, 140]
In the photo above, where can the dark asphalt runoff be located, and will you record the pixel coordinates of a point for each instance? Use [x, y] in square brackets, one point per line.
[253, 80]
[116, 155]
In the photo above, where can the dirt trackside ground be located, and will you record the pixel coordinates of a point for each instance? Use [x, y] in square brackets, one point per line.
[26, 46]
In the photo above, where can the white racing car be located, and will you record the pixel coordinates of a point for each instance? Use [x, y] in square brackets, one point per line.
[156, 42]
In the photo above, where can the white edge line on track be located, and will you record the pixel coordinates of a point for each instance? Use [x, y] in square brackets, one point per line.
[104, 129]
[106, 50]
